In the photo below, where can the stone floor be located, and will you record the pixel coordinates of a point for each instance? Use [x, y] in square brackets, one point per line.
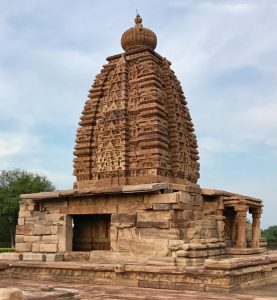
[88, 292]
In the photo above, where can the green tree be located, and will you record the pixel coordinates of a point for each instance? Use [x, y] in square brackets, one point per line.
[270, 234]
[13, 183]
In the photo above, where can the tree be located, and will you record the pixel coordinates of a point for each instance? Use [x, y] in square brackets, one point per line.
[270, 234]
[13, 183]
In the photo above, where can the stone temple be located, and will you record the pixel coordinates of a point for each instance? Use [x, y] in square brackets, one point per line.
[136, 215]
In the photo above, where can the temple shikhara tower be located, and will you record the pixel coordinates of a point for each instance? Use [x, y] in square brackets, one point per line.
[136, 127]
[136, 214]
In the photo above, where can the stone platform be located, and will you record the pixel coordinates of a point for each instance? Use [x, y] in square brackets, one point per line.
[225, 275]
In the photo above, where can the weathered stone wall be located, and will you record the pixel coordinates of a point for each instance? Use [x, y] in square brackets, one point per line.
[42, 227]
[151, 224]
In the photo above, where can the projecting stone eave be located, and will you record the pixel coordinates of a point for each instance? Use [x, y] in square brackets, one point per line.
[123, 189]
[135, 51]
[230, 195]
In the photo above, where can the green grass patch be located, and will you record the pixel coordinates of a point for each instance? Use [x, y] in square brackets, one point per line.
[2, 250]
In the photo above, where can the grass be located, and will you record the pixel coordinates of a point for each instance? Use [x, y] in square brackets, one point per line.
[2, 250]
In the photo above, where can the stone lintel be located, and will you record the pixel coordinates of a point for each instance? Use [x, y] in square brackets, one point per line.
[233, 201]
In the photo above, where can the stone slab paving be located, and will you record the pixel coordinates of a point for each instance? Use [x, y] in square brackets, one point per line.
[88, 292]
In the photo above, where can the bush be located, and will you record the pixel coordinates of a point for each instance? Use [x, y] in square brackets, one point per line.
[2, 250]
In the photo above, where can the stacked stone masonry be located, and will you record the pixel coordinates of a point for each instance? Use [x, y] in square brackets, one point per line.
[182, 225]
[155, 225]
[135, 127]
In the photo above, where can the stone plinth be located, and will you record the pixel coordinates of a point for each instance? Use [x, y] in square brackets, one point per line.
[224, 275]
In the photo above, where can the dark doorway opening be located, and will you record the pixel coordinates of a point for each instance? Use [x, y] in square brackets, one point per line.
[91, 232]
[230, 226]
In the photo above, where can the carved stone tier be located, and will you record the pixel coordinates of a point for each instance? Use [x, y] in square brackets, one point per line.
[135, 127]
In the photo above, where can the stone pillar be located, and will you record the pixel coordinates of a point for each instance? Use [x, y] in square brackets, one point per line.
[220, 220]
[256, 230]
[241, 221]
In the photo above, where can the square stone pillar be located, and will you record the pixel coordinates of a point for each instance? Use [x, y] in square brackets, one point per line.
[241, 221]
[256, 229]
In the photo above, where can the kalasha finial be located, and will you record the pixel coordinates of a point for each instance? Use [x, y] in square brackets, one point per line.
[138, 36]
[138, 20]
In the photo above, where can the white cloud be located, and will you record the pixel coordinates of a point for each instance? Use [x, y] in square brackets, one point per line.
[15, 143]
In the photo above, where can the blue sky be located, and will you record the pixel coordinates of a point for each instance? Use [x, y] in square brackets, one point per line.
[223, 52]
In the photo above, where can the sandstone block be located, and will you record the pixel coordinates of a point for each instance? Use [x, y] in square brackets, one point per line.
[62, 245]
[184, 215]
[157, 233]
[39, 215]
[62, 230]
[181, 253]
[77, 256]
[196, 246]
[193, 233]
[143, 187]
[210, 223]
[20, 247]
[127, 205]
[48, 248]
[24, 214]
[19, 238]
[130, 232]
[207, 233]
[42, 230]
[182, 206]
[34, 256]
[163, 198]
[123, 220]
[24, 229]
[55, 218]
[175, 244]
[153, 247]
[213, 252]
[49, 239]
[108, 257]
[28, 247]
[185, 247]
[184, 197]
[20, 221]
[36, 247]
[42, 223]
[194, 254]
[23, 247]
[10, 256]
[11, 294]
[32, 238]
[54, 257]
[197, 215]
[156, 219]
[161, 206]
[119, 269]
[54, 229]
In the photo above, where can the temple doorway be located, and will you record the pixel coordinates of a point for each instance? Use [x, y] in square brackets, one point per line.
[230, 228]
[91, 232]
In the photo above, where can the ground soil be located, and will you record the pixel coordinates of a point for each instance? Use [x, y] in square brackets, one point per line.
[88, 292]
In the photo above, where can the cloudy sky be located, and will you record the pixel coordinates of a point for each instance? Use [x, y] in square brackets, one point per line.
[224, 52]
